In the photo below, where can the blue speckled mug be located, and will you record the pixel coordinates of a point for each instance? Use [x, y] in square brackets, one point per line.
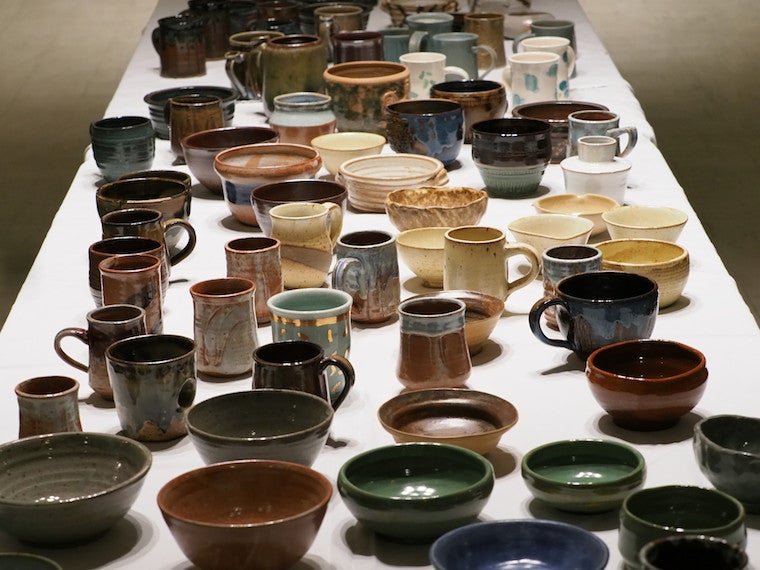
[531, 76]
[432, 127]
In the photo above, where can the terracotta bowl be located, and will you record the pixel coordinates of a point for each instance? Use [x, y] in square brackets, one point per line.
[647, 384]
[245, 514]
[543, 231]
[440, 206]
[201, 148]
[244, 168]
[421, 249]
[415, 492]
[157, 100]
[65, 488]
[648, 222]
[589, 206]
[466, 418]
[337, 148]
[664, 262]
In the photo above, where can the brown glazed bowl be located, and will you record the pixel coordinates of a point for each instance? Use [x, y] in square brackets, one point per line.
[177, 175]
[649, 384]
[480, 100]
[246, 515]
[431, 206]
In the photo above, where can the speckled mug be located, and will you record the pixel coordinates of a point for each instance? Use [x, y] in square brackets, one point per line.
[257, 259]
[47, 404]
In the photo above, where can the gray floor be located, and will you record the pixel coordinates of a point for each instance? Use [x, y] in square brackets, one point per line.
[693, 66]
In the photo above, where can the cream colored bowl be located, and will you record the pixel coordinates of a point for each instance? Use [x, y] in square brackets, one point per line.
[664, 262]
[543, 231]
[435, 206]
[649, 222]
[337, 148]
[589, 206]
[421, 249]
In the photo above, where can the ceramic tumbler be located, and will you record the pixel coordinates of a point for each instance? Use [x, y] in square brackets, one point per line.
[154, 382]
[367, 269]
[433, 350]
[105, 326]
[122, 144]
[562, 261]
[357, 45]
[566, 67]
[239, 65]
[216, 25]
[188, 114]
[599, 123]
[224, 326]
[134, 280]
[426, 69]
[181, 46]
[431, 127]
[257, 259]
[48, 404]
[480, 100]
[489, 27]
[531, 76]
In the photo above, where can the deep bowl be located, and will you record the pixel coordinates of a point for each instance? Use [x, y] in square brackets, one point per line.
[24, 561]
[648, 222]
[178, 175]
[337, 148]
[65, 488]
[589, 206]
[415, 492]
[727, 449]
[170, 197]
[157, 101]
[466, 418]
[693, 551]
[547, 545]
[284, 425]
[421, 249]
[245, 514]
[438, 206]
[543, 231]
[583, 475]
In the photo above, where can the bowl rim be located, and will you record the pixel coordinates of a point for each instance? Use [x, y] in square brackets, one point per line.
[474, 198]
[435, 166]
[307, 153]
[472, 300]
[150, 98]
[318, 142]
[680, 217]
[583, 225]
[701, 436]
[430, 229]
[397, 72]
[539, 204]
[189, 141]
[682, 255]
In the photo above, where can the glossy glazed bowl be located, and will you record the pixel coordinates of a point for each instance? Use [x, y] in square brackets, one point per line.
[243, 168]
[170, 197]
[178, 175]
[589, 206]
[692, 551]
[157, 101]
[245, 514]
[415, 492]
[531, 543]
[337, 148]
[441, 206]
[664, 262]
[727, 449]
[466, 418]
[421, 250]
[543, 231]
[658, 512]
[201, 148]
[285, 425]
[648, 222]
[65, 488]
[647, 384]
[583, 475]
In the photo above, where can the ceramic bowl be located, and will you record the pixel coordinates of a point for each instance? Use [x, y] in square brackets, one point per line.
[65, 488]
[201, 148]
[178, 175]
[548, 545]
[285, 425]
[647, 384]
[170, 197]
[415, 492]
[481, 315]
[369, 179]
[157, 101]
[692, 551]
[421, 250]
[583, 475]
[244, 168]
[589, 206]
[648, 222]
[429, 207]
[245, 514]
[267, 196]
[23, 561]
[727, 449]
[466, 418]
[677, 510]
[664, 262]
[543, 231]
[337, 148]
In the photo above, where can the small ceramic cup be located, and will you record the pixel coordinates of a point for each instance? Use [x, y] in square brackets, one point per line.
[134, 280]
[181, 46]
[532, 76]
[599, 123]
[47, 404]
[562, 261]
[122, 144]
[357, 45]
[426, 68]
[257, 259]
[188, 114]
[480, 100]
[566, 65]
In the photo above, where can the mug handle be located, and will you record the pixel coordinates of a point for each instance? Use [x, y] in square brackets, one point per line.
[570, 61]
[492, 58]
[348, 375]
[633, 137]
[517, 39]
[454, 70]
[335, 217]
[530, 253]
[534, 320]
[415, 40]
[77, 333]
[191, 239]
[232, 60]
[155, 38]
[342, 267]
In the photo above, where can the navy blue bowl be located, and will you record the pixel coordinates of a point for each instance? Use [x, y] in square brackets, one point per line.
[519, 544]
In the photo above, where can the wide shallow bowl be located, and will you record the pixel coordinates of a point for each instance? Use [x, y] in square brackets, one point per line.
[421, 250]
[246, 515]
[649, 222]
[441, 206]
[727, 448]
[65, 488]
[583, 475]
[543, 231]
[647, 384]
[518, 544]
[244, 168]
[24, 561]
[415, 492]
[369, 179]
[337, 148]
[467, 418]
[157, 101]
[285, 425]
[692, 551]
[201, 148]
[649, 514]
[664, 262]
[589, 206]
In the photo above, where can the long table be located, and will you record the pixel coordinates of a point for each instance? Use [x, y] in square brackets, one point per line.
[546, 384]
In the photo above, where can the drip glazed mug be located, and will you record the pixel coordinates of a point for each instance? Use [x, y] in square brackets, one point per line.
[47, 404]
[188, 114]
[562, 261]
[134, 280]
[121, 145]
[181, 46]
[257, 259]
[240, 70]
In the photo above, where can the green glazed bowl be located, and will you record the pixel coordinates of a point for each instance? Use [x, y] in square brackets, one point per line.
[585, 476]
[415, 492]
[674, 510]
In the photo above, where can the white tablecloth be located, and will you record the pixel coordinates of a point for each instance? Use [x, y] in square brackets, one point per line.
[546, 384]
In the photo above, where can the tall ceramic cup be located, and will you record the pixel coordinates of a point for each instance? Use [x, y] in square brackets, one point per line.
[47, 404]
[562, 47]
[556, 28]
[562, 261]
[489, 27]
[332, 19]
[599, 123]
[426, 68]
[462, 49]
[240, 70]
[307, 232]
[181, 46]
[480, 100]
[257, 259]
[121, 145]
[188, 114]
[134, 280]
[531, 76]
[475, 258]
[425, 25]
[105, 326]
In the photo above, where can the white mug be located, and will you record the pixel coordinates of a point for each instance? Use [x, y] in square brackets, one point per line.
[426, 68]
[560, 46]
[531, 77]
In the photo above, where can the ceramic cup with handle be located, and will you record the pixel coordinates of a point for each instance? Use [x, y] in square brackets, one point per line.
[531, 76]
[599, 123]
[426, 68]
[560, 46]
[462, 49]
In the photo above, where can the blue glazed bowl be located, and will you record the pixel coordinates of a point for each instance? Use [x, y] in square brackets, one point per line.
[433, 127]
[519, 544]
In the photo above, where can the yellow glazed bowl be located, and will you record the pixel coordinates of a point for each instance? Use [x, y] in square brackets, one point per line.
[428, 207]
[421, 249]
[589, 206]
[543, 231]
[649, 222]
[337, 148]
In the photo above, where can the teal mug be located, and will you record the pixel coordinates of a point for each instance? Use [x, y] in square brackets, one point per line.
[461, 50]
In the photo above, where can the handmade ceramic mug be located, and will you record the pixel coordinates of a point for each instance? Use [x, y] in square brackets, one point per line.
[425, 25]
[480, 100]
[257, 259]
[489, 27]
[395, 43]
[357, 45]
[599, 123]
[330, 20]
[427, 68]
[239, 67]
[548, 27]
[562, 47]
[122, 144]
[562, 261]
[300, 117]
[216, 25]
[532, 76]
[188, 114]
[462, 49]
[47, 404]
[181, 46]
